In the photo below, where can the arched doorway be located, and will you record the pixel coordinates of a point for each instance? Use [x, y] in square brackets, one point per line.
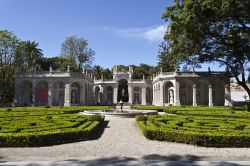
[58, 93]
[186, 92]
[137, 95]
[42, 93]
[168, 93]
[75, 93]
[26, 93]
[218, 93]
[202, 92]
[148, 95]
[109, 95]
[122, 90]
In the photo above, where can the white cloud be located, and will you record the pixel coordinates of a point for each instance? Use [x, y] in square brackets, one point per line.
[155, 34]
[151, 34]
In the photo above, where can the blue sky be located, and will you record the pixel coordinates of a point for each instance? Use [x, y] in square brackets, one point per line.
[120, 31]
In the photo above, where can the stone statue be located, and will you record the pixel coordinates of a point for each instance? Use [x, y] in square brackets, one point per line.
[73, 96]
[171, 96]
[122, 94]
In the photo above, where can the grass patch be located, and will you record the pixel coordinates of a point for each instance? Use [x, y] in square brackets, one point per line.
[40, 126]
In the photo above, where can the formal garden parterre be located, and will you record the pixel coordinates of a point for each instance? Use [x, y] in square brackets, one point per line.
[42, 126]
[202, 126]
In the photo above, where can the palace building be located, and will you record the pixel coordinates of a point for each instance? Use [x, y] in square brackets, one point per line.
[68, 88]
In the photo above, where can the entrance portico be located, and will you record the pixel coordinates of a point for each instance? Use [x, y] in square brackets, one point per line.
[134, 91]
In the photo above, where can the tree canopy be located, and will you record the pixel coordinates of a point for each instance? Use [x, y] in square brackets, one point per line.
[76, 50]
[211, 31]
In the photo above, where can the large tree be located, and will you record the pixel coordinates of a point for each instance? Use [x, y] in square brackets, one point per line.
[8, 64]
[166, 61]
[77, 51]
[143, 70]
[211, 31]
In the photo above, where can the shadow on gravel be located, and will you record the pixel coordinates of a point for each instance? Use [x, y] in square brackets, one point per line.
[2, 159]
[155, 159]
[99, 131]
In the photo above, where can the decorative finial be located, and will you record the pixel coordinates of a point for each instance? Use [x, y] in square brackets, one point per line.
[161, 69]
[68, 68]
[143, 77]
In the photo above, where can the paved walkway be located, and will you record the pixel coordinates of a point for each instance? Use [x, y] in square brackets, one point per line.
[121, 142]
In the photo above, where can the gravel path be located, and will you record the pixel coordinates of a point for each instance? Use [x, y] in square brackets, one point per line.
[121, 138]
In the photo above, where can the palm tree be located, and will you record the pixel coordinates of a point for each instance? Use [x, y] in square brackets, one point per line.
[33, 53]
[97, 71]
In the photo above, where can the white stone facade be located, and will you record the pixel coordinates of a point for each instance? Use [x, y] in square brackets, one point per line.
[191, 88]
[136, 92]
[53, 88]
[164, 89]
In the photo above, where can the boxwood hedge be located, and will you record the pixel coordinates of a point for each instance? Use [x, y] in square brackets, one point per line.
[197, 130]
[45, 126]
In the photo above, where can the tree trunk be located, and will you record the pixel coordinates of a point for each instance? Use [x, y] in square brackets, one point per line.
[243, 84]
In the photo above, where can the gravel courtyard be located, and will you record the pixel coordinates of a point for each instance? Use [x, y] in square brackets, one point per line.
[123, 139]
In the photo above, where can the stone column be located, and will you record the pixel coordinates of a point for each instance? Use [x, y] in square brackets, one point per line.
[115, 94]
[210, 96]
[161, 95]
[194, 95]
[153, 99]
[67, 94]
[49, 93]
[227, 95]
[86, 94]
[177, 94]
[102, 96]
[143, 96]
[33, 93]
[130, 94]
[82, 94]
[91, 94]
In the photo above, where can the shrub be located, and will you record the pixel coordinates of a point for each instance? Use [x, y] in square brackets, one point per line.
[202, 131]
[240, 127]
[141, 118]
[96, 117]
[8, 109]
[41, 127]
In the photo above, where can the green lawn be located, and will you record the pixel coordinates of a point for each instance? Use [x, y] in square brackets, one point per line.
[204, 126]
[40, 126]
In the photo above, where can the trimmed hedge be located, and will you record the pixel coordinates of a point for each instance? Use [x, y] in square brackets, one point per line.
[217, 111]
[45, 127]
[201, 131]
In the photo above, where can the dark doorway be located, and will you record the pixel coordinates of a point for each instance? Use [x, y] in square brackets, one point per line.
[122, 90]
